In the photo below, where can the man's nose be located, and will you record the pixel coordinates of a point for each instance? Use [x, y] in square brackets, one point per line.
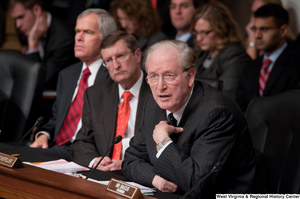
[161, 84]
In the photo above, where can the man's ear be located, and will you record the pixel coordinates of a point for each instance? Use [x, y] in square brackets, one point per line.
[191, 76]
[284, 30]
[37, 10]
[138, 54]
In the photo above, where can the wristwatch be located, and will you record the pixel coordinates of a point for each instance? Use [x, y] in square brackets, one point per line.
[162, 143]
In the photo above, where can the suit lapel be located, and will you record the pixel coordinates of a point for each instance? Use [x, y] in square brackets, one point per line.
[102, 74]
[111, 110]
[277, 70]
[189, 110]
[201, 57]
[67, 95]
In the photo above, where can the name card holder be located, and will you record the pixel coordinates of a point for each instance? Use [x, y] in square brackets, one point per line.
[10, 161]
[124, 189]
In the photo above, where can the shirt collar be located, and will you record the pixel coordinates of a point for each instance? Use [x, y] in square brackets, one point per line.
[185, 37]
[273, 57]
[135, 89]
[94, 67]
[178, 114]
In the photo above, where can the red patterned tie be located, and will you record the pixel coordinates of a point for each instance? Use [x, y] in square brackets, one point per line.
[70, 124]
[263, 76]
[122, 121]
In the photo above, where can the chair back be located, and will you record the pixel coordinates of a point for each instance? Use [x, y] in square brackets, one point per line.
[274, 124]
[216, 83]
[21, 87]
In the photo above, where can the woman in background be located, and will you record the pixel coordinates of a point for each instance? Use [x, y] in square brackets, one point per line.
[221, 54]
[137, 17]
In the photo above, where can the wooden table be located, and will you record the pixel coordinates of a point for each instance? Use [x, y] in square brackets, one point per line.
[34, 182]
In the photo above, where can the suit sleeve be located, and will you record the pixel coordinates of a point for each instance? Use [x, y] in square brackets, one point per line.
[213, 142]
[136, 165]
[84, 146]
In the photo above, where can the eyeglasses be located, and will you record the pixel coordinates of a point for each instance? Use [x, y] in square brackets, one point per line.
[168, 78]
[262, 29]
[201, 33]
[119, 58]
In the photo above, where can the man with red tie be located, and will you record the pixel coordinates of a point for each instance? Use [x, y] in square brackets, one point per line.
[114, 106]
[278, 70]
[55, 137]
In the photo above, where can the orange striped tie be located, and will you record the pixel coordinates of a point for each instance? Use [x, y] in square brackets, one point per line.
[122, 122]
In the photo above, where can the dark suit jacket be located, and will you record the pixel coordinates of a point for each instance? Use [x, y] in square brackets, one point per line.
[214, 130]
[99, 120]
[66, 85]
[227, 66]
[189, 42]
[145, 43]
[59, 51]
[284, 76]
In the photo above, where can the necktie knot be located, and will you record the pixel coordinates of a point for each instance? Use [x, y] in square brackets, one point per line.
[263, 76]
[127, 96]
[266, 63]
[172, 119]
[86, 73]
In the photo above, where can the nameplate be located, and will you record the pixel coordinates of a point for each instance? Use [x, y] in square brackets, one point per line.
[10, 161]
[123, 189]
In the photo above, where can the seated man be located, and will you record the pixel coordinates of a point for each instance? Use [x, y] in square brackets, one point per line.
[49, 40]
[107, 112]
[92, 26]
[211, 128]
[278, 70]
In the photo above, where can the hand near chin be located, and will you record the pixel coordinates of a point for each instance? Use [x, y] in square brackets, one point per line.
[39, 29]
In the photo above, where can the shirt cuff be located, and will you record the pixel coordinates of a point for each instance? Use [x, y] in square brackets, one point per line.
[162, 149]
[42, 132]
[31, 52]
[92, 163]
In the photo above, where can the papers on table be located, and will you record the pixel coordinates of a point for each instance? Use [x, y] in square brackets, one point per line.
[61, 166]
[71, 168]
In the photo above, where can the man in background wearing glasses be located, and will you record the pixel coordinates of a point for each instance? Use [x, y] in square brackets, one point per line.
[112, 107]
[279, 69]
[188, 127]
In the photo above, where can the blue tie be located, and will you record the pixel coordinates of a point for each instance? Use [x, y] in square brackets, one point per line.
[172, 119]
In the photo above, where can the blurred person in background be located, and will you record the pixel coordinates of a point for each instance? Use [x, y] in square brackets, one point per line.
[48, 39]
[221, 54]
[251, 49]
[137, 17]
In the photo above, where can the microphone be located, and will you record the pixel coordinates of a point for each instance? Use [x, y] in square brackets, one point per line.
[215, 169]
[117, 140]
[39, 121]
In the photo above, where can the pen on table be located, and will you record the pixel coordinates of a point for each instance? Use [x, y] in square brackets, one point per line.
[15, 155]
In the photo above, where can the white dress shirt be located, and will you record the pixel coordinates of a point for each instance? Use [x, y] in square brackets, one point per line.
[133, 103]
[177, 115]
